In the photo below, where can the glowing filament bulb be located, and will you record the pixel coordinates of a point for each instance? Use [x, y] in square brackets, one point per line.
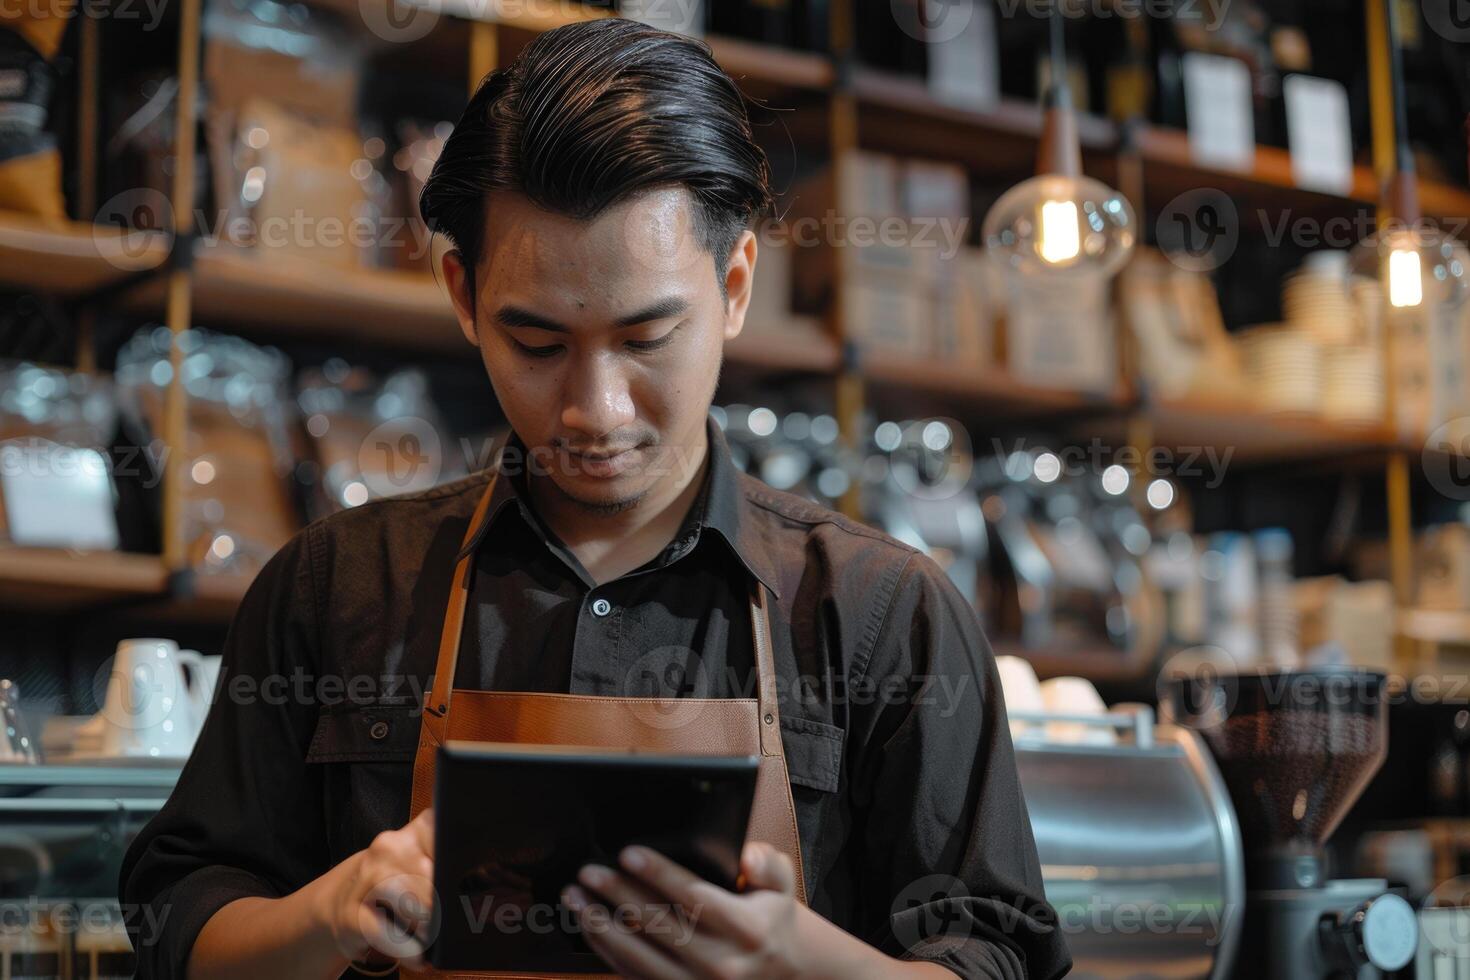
[1404, 285]
[1059, 242]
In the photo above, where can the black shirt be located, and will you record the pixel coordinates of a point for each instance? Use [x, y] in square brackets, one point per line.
[912, 827]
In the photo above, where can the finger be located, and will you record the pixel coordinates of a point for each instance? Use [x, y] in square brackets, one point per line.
[386, 938]
[423, 830]
[767, 868]
[408, 900]
[627, 952]
[621, 891]
[719, 908]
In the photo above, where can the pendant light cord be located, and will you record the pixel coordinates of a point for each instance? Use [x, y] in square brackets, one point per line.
[1404, 156]
[1059, 93]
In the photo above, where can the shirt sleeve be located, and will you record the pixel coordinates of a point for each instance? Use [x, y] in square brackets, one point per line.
[244, 818]
[949, 866]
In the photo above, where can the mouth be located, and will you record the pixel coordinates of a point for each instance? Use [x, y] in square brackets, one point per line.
[604, 466]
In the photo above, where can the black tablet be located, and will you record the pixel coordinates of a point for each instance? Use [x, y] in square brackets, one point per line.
[513, 824]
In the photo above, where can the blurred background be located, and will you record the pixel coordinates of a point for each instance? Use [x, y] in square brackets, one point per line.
[1170, 377]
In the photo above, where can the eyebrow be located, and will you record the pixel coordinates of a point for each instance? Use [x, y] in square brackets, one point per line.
[515, 316]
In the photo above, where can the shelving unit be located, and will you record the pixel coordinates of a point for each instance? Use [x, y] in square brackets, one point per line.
[1257, 436]
[865, 108]
[980, 392]
[59, 580]
[74, 257]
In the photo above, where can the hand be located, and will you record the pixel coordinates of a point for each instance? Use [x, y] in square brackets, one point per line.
[379, 899]
[659, 920]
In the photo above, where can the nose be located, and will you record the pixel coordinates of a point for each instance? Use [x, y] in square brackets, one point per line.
[598, 397]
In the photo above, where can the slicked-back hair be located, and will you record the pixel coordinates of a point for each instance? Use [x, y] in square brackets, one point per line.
[591, 113]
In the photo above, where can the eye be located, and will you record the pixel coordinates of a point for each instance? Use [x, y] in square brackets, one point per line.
[652, 345]
[536, 351]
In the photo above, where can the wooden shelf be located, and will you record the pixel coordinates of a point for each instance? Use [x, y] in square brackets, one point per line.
[1172, 170]
[1253, 436]
[1100, 664]
[198, 598]
[769, 351]
[278, 295]
[1442, 626]
[403, 310]
[919, 387]
[899, 115]
[56, 579]
[73, 257]
[771, 67]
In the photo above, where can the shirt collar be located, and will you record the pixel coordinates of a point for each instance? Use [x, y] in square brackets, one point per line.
[721, 507]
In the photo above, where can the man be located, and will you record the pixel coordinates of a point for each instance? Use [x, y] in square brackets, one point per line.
[599, 194]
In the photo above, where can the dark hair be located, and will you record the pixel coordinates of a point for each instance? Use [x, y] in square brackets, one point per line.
[592, 112]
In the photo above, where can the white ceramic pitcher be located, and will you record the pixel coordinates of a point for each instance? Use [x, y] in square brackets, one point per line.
[148, 710]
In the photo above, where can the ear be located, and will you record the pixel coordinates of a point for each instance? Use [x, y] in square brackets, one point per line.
[461, 293]
[739, 281]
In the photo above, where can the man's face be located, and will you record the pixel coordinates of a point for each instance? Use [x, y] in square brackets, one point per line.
[603, 338]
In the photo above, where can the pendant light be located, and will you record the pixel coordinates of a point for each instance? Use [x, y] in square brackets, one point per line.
[1060, 223]
[1422, 270]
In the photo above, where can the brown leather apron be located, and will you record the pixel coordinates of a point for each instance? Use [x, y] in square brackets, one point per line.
[681, 726]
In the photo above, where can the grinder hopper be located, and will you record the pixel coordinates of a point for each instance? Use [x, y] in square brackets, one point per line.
[1296, 749]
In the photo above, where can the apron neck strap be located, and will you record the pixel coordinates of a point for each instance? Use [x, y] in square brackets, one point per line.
[436, 708]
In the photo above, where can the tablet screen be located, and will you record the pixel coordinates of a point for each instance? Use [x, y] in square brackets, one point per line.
[514, 823]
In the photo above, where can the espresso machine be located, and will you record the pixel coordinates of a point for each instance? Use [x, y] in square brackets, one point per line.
[1296, 749]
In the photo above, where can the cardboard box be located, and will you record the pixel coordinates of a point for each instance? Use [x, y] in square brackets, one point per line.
[1061, 336]
[1443, 567]
[964, 312]
[889, 312]
[828, 219]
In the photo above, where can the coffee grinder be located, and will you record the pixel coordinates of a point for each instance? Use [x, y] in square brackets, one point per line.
[1296, 749]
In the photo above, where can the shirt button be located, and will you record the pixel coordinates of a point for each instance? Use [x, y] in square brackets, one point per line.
[601, 607]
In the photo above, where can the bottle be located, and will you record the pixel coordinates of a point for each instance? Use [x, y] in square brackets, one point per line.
[762, 21]
[810, 24]
[891, 36]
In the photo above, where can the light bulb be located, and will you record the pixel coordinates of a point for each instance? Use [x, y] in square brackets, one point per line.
[1056, 225]
[1404, 287]
[1418, 267]
[1058, 242]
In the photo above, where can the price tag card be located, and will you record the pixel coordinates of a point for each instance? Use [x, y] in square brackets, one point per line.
[1320, 134]
[964, 62]
[1217, 100]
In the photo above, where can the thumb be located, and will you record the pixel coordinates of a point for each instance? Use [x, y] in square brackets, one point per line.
[764, 867]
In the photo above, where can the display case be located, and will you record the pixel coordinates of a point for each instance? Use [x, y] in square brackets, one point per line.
[63, 832]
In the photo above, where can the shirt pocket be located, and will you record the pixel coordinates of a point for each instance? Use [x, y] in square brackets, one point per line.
[813, 753]
[363, 754]
[365, 733]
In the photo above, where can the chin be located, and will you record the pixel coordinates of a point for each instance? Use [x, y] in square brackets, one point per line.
[600, 496]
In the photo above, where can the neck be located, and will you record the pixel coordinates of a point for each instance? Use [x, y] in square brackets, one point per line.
[609, 545]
